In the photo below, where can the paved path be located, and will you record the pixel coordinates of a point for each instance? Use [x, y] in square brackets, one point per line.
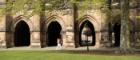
[54, 48]
[73, 50]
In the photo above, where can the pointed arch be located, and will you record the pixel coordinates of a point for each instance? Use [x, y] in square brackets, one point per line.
[95, 23]
[21, 34]
[58, 19]
[27, 25]
[53, 33]
[52, 20]
[22, 18]
[97, 28]
[82, 36]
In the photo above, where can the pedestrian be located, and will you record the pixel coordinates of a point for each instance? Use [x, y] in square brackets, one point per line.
[59, 43]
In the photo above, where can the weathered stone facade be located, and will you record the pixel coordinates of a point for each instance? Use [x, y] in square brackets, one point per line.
[39, 29]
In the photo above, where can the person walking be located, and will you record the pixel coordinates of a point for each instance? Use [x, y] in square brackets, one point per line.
[59, 43]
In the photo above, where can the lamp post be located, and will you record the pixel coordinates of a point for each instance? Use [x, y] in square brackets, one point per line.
[87, 32]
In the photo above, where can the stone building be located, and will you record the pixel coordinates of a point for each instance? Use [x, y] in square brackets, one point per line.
[67, 24]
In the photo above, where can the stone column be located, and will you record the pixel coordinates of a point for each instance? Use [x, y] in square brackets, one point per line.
[35, 31]
[69, 38]
[2, 32]
[35, 39]
[98, 39]
[2, 40]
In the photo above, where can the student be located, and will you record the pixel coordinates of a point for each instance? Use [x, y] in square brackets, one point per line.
[59, 43]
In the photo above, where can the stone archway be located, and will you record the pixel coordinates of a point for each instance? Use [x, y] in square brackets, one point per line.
[45, 30]
[116, 33]
[82, 36]
[21, 34]
[53, 33]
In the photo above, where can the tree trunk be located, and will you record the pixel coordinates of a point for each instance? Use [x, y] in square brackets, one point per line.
[125, 28]
[42, 24]
[76, 31]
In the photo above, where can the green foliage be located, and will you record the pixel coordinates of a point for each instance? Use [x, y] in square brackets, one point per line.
[138, 17]
[26, 7]
[39, 6]
[55, 4]
[86, 4]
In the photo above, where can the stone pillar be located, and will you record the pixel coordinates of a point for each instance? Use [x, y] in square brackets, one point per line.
[3, 21]
[69, 38]
[2, 40]
[98, 39]
[35, 31]
[35, 39]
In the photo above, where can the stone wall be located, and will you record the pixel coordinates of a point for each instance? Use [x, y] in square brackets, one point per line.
[65, 18]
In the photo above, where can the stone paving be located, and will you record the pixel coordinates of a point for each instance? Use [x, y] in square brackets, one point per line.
[74, 50]
[54, 48]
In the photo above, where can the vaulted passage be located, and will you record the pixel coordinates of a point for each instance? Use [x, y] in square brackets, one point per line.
[22, 34]
[83, 34]
[116, 30]
[54, 30]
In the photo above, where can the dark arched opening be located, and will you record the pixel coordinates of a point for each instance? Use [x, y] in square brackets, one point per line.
[22, 34]
[54, 30]
[92, 38]
[116, 31]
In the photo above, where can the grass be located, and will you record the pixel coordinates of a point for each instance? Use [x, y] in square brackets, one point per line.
[45, 55]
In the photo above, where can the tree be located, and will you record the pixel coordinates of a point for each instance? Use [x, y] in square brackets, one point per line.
[32, 6]
[14, 6]
[36, 6]
[125, 28]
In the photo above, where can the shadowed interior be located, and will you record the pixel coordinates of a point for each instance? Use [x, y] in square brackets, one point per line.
[91, 27]
[22, 34]
[54, 30]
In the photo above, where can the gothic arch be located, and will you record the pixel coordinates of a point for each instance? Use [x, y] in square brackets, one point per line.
[92, 20]
[55, 18]
[22, 18]
[21, 34]
[82, 36]
[45, 25]
[29, 27]
[96, 26]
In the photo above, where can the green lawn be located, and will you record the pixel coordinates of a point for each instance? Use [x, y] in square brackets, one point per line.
[45, 55]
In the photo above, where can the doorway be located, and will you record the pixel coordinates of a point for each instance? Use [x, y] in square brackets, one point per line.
[54, 30]
[82, 36]
[22, 34]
